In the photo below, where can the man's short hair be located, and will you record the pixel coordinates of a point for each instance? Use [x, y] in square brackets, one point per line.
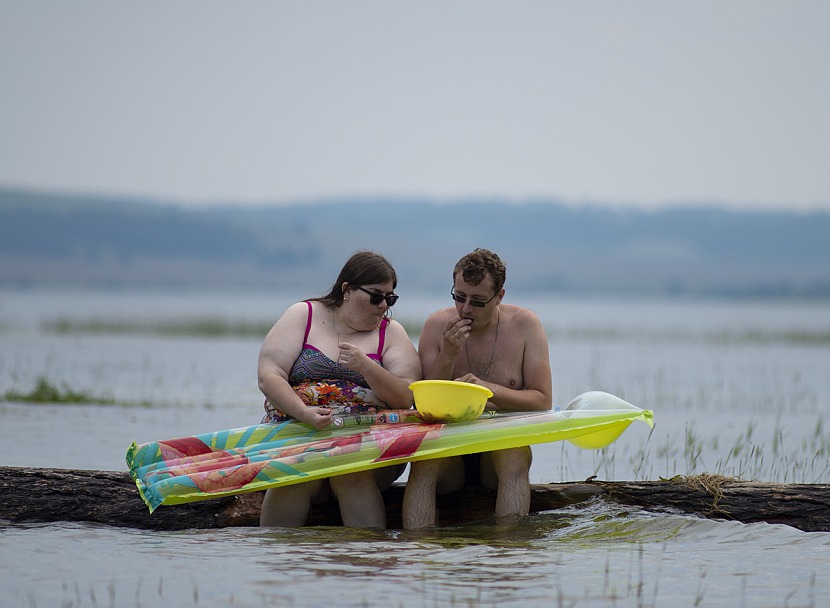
[475, 266]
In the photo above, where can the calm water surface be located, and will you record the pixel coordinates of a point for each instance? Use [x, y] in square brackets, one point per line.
[737, 388]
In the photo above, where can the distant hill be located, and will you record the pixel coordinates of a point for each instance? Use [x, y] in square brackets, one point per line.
[49, 239]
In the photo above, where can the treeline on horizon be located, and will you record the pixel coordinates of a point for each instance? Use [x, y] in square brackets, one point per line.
[52, 239]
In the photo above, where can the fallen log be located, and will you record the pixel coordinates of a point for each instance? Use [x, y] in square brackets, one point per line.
[107, 497]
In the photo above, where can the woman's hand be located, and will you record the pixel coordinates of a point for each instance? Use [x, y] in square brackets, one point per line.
[354, 358]
[317, 417]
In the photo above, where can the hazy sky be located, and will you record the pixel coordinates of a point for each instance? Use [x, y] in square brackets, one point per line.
[645, 103]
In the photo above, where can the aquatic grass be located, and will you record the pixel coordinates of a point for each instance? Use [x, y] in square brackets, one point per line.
[72, 596]
[693, 448]
[214, 327]
[203, 327]
[721, 337]
[638, 461]
[207, 327]
[641, 462]
[747, 458]
[629, 583]
[752, 337]
[46, 392]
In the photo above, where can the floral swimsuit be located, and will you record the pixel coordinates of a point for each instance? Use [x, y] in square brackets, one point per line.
[319, 380]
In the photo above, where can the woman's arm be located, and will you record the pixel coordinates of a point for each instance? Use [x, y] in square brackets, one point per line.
[279, 350]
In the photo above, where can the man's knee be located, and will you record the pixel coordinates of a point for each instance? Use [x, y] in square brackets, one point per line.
[441, 475]
[512, 460]
[506, 465]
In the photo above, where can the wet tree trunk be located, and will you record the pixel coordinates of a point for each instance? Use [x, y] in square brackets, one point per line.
[111, 498]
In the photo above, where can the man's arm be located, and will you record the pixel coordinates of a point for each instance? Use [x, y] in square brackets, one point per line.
[437, 356]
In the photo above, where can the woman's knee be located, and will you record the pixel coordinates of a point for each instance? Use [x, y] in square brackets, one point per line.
[353, 482]
[310, 491]
[289, 505]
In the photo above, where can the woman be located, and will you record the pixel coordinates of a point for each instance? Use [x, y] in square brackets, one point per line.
[314, 363]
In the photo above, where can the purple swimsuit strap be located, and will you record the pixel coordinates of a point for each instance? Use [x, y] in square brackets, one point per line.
[384, 322]
[307, 325]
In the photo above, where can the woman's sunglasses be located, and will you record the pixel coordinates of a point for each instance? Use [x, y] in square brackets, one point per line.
[476, 303]
[376, 298]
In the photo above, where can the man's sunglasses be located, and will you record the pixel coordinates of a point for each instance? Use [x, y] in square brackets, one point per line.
[476, 303]
[376, 298]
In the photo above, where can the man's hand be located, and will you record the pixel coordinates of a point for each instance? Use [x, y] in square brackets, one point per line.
[456, 332]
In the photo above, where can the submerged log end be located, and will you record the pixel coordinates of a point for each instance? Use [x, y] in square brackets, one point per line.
[802, 506]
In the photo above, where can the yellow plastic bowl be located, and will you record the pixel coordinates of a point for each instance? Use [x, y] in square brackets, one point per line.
[449, 400]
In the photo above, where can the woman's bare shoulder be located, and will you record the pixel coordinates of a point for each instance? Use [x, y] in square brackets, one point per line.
[396, 329]
[293, 317]
[297, 310]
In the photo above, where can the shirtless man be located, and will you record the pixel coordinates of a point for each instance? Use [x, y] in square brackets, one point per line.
[500, 346]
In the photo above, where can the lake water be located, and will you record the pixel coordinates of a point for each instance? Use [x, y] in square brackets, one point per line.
[738, 388]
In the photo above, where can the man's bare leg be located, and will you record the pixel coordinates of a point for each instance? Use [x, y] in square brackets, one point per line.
[508, 472]
[426, 478]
